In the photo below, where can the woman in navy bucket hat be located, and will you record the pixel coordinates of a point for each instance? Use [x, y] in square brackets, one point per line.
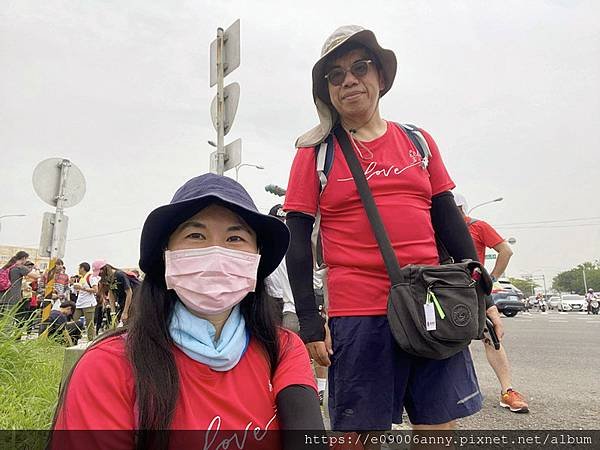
[203, 349]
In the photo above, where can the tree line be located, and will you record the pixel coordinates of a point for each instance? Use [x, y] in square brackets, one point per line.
[573, 280]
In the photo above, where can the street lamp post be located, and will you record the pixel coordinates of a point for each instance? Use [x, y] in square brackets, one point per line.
[237, 168]
[9, 215]
[499, 199]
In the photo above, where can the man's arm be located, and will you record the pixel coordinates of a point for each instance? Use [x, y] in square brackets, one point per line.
[504, 255]
[299, 261]
[452, 230]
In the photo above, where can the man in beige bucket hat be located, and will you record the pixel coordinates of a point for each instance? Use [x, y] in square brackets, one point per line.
[371, 380]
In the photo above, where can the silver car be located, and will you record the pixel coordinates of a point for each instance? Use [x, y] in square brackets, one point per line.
[572, 302]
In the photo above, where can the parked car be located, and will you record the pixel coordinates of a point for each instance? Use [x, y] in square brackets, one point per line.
[553, 301]
[572, 302]
[508, 302]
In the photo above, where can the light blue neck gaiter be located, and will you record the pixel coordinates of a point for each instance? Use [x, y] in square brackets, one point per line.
[196, 338]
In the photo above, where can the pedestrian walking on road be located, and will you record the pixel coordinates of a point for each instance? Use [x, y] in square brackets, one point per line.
[485, 236]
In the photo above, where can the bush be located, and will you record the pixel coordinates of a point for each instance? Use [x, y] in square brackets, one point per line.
[30, 372]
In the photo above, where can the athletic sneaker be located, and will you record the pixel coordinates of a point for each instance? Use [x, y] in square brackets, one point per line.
[514, 401]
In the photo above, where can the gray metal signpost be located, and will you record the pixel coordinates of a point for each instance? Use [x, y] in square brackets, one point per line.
[60, 183]
[224, 59]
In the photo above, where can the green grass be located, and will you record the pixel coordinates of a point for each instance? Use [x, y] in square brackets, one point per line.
[30, 372]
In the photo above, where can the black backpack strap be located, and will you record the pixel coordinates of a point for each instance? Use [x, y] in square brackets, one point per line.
[417, 139]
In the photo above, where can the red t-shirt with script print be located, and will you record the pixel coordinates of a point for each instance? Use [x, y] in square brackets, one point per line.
[357, 280]
[227, 406]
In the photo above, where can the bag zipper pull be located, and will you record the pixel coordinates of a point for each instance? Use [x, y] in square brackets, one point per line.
[431, 297]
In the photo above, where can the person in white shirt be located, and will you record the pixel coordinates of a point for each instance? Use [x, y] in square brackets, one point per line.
[87, 288]
[278, 286]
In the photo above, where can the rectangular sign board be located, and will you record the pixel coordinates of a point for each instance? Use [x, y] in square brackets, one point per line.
[231, 52]
[46, 235]
[233, 156]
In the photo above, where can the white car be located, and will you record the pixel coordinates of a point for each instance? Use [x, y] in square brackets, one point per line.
[553, 301]
[572, 302]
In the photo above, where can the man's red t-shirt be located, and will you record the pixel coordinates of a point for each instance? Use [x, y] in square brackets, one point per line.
[483, 236]
[358, 283]
[101, 393]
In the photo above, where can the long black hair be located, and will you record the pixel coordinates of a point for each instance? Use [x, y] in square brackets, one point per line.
[149, 349]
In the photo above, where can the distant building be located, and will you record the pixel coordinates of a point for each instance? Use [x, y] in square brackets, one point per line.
[8, 251]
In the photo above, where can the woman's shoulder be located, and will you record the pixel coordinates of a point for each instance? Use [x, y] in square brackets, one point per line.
[108, 354]
[289, 342]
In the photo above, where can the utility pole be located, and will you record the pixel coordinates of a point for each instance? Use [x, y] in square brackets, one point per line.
[220, 105]
[224, 59]
[584, 280]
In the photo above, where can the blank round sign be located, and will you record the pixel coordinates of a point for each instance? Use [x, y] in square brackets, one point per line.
[46, 182]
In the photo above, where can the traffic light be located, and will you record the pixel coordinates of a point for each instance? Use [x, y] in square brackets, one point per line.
[276, 190]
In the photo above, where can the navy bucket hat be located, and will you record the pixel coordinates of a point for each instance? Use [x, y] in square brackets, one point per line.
[273, 235]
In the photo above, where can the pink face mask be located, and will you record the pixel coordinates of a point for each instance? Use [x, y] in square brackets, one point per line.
[211, 280]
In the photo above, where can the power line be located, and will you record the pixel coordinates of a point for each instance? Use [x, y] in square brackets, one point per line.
[93, 236]
[104, 234]
[548, 227]
[549, 221]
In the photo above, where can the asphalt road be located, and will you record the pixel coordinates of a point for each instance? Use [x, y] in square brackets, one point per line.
[555, 359]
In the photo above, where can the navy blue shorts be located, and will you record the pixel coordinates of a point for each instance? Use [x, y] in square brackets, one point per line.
[371, 380]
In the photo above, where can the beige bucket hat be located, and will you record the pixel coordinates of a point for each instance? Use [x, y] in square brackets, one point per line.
[327, 114]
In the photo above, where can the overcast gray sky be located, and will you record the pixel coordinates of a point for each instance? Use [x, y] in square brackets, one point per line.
[509, 89]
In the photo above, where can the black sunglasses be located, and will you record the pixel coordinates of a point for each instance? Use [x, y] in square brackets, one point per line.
[359, 69]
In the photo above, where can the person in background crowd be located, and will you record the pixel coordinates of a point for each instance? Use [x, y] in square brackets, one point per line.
[86, 289]
[319, 285]
[103, 308]
[484, 236]
[202, 346]
[12, 274]
[120, 290]
[72, 292]
[278, 286]
[59, 320]
[15, 271]
[25, 310]
[371, 380]
[61, 281]
[137, 274]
